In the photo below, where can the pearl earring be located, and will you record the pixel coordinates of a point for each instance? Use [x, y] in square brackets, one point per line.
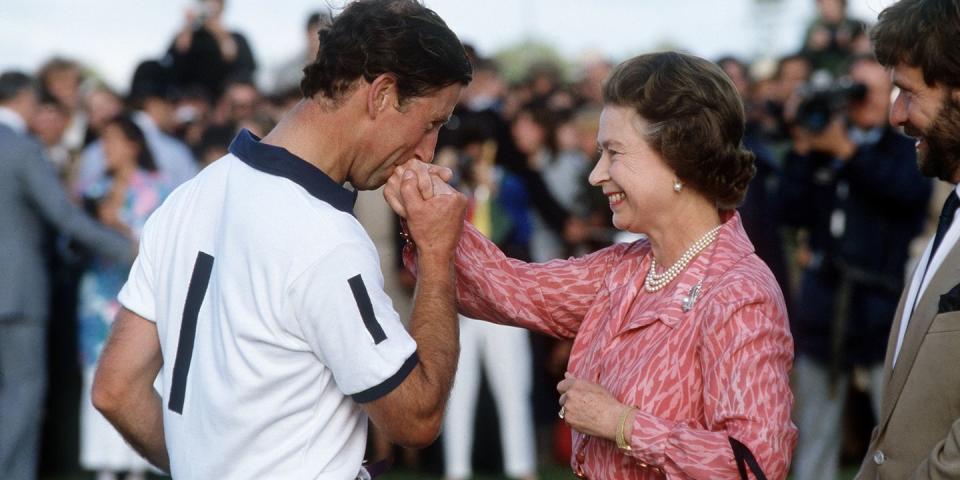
[677, 186]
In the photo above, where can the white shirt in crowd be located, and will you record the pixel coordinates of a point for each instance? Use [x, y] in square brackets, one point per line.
[172, 156]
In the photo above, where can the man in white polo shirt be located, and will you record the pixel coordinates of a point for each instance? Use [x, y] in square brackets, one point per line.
[258, 297]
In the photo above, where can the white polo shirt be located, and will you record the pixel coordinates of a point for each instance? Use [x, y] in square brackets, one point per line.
[269, 302]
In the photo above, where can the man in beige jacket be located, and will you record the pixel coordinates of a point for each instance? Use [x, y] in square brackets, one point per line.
[919, 431]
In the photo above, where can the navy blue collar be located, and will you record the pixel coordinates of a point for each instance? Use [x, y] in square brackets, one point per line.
[280, 162]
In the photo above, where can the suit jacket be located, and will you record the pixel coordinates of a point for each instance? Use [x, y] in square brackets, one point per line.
[918, 435]
[33, 200]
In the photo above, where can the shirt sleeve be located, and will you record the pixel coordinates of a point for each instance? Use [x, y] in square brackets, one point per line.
[349, 321]
[139, 293]
[551, 298]
[746, 359]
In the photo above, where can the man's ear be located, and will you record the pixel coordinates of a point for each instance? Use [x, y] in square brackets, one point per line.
[382, 94]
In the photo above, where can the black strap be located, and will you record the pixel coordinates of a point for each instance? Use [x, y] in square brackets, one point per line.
[744, 457]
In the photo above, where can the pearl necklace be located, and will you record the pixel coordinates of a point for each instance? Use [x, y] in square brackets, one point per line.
[657, 281]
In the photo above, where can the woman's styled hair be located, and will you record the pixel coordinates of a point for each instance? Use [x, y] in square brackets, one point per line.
[373, 37]
[134, 134]
[695, 117]
[923, 34]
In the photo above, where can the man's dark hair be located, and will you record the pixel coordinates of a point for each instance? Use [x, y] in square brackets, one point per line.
[319, 19]
[373, 37]
[151, 79]
[12, 83]
[923, 34]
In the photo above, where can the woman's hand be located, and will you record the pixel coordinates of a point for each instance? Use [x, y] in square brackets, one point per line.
[589, 408]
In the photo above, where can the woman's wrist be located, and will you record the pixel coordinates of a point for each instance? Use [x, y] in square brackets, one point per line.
[625, 428]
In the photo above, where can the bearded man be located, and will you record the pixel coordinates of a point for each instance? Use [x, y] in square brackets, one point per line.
[918, 435]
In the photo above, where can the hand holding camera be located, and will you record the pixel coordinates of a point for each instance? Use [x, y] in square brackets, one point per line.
[820, 121]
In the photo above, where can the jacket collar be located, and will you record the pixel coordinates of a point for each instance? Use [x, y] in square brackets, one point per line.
[730, 246]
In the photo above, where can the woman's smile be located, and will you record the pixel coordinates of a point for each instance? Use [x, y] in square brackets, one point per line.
[616, 198]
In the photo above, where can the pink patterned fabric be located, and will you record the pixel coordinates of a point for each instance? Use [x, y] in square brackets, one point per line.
[719, 370]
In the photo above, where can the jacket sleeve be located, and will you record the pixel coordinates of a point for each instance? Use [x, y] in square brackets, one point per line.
[944, 460]
[551, 298]
[49, 198]
[746, 357]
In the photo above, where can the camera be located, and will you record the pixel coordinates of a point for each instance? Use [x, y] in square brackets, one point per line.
[821, 101]
[203, 12]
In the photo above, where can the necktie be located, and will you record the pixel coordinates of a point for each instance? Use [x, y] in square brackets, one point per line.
[946, 218]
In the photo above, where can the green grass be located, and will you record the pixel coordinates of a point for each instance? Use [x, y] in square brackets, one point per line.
[546, 473]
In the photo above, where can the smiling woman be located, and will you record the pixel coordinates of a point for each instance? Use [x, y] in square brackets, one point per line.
[681, 372]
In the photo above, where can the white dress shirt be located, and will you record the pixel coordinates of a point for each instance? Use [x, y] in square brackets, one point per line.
[920, 280]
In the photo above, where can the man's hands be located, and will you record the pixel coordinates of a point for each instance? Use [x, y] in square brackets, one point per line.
[833, 141]
[428, 180]
[434, 211]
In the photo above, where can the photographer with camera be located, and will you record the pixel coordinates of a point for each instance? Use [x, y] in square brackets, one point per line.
[851, 185]
[206, 53]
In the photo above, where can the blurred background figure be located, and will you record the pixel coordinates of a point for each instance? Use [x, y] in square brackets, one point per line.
[759, 211]
[123, 198]
[206, 53]
[34, 202]
[153, 98]
[49, 124]
[61, 78]
[498, 207]
[851, 185]
[288, 74]
[833, 37]
[240, 107]
[100, 104]
[534, 133]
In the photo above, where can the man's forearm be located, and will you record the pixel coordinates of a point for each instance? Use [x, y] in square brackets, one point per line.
[140, 420]
[435, 327]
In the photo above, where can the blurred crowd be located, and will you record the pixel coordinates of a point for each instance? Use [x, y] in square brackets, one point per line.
[836, 210]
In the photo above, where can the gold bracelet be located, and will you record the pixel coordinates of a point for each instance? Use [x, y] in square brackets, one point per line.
[622, 443]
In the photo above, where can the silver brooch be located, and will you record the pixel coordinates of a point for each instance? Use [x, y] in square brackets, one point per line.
[691, 297]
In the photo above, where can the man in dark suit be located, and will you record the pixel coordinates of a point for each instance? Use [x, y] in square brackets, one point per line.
[855, 189]
[33, 201]
[918, 435]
